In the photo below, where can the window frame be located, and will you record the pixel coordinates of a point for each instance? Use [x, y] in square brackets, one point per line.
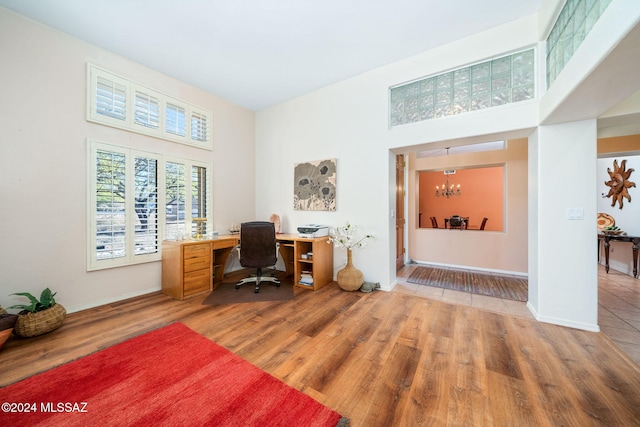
[130, 257]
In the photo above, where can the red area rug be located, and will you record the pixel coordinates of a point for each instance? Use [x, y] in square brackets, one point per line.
[172, 376]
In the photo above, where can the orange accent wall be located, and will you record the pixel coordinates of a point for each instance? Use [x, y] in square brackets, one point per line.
[482, 196]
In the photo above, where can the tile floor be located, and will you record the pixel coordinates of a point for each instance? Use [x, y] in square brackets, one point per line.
[618, 305]
[619, 310]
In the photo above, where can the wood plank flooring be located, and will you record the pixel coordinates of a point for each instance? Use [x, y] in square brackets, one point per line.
[383, 358]
[618, 305]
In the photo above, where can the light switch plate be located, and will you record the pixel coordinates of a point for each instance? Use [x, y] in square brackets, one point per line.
[575, 213]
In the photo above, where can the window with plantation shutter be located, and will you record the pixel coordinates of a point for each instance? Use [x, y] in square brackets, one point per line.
[199, 126]
[109, 204]
[118, 102]
[108, 98]
[146, 108]
[176, 202]
[187, 196]
[175, 119]
[146, 206]
[111, 99]
[136, 199]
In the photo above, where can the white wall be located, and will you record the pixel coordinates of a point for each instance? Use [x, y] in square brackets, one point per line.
[562, 250]
[349, 121]
[43, 171]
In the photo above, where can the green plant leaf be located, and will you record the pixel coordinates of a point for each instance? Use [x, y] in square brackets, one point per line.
[46, 299]
[34, 302]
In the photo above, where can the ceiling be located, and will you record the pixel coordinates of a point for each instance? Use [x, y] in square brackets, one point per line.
[259, 53]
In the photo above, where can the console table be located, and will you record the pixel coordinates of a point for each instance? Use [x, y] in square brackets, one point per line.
[634, 240]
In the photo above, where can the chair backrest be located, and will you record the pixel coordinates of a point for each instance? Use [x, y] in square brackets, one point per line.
[484, 222]
[257, 244]
[434, 222]
[455, 221]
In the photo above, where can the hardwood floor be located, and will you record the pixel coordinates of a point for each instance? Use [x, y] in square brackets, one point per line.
[383, 358]
[618, 305]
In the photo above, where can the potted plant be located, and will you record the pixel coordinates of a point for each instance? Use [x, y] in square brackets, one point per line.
[39, 317]
[349, 278]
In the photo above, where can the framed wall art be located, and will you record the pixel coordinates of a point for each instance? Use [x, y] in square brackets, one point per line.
[314, 187]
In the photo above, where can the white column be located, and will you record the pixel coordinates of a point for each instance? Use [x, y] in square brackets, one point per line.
[563, 275]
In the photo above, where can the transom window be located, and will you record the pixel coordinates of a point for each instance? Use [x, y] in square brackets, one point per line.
[115, 101]
[499, 81]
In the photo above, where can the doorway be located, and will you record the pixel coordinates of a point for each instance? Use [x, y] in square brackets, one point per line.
[400, 214]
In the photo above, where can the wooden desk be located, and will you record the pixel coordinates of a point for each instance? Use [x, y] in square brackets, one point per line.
[634, 240]
[319, 266]
[193, 266]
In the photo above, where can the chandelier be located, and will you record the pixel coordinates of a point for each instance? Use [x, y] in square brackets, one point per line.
[448, 189]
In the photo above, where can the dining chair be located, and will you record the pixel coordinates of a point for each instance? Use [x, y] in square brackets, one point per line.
[484, 222]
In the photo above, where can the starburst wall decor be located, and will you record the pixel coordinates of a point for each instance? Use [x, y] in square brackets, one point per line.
[619, 183]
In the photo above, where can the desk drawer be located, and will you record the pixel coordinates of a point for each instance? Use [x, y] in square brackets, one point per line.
[193, 264]
[195, 251]
[224, 243]
[197, 281]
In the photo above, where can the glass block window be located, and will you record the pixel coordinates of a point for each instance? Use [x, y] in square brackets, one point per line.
[575, 21]
[488, 84]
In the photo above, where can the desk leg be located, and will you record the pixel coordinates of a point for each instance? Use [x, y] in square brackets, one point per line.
[606, 255]
[635, 257]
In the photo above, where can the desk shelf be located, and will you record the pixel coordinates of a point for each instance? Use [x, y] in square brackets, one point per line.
[320, 267]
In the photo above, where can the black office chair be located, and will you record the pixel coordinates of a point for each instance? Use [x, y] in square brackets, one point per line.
[258, 250]
[434, 222]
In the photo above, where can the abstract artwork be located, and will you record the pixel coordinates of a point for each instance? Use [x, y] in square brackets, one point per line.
[314, 187]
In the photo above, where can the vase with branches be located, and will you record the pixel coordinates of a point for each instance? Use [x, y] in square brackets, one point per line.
[349, 237]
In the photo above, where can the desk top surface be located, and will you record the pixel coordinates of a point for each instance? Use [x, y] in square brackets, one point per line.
[621, 237]
[226, 237]
[295, 236]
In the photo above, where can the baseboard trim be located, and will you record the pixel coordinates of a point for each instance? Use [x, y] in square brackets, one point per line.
[563, 322]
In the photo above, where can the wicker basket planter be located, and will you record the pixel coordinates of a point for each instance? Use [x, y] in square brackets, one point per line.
[350, 278]
[38, 323]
